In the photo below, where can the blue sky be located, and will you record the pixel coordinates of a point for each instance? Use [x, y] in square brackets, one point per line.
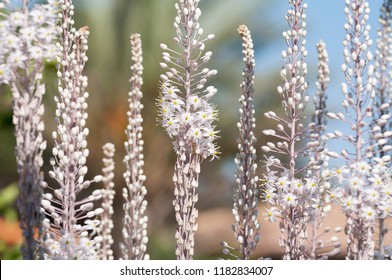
[325, 20]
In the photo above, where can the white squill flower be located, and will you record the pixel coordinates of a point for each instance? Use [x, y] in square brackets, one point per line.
[187, 116]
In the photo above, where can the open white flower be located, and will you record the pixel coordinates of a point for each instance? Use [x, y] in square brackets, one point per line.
[183, 109]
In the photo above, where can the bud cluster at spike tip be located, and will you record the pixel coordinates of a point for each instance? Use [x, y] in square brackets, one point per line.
[246, 226]
[135, 219]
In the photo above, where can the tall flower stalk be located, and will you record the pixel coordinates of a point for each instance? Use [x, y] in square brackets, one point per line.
[245, 197]
[293, 196]
[383, 102]
[319, 118]
[135, 219]
[26, 42]
[72, 230]
[318, 246]
[187, 117]
[361, 181]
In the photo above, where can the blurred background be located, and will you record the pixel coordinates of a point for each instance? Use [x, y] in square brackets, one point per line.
[111, 22]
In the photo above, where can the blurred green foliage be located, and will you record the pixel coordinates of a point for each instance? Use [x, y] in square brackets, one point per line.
[8, 196]
[8, 214]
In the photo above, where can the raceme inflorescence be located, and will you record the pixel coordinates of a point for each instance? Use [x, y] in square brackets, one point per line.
[187, 116]
[301, 179]
[27, 41]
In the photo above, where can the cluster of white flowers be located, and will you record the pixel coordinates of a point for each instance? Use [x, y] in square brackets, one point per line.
[366, 197]
[27, 39]
[135, 219]
[286, 194]
[309, 201]
[369, 186]
[191, 119]
[68, 248]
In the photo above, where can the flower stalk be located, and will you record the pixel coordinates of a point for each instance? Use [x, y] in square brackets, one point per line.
[187, 116]
[359, 90]
[293, 196]
[382, 103]
[135, 219]
[72, 230]
[319, 247]
[245, 197]
[23, 52]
